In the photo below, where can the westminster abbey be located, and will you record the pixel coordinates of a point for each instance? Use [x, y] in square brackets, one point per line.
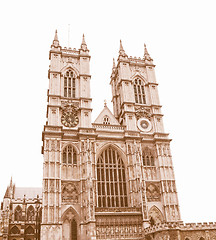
[108, 179]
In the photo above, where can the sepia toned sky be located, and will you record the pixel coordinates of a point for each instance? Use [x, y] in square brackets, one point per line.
[180, 37]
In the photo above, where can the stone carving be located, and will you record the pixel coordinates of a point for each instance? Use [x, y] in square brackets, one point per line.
[142, 112]
[69, 114]
[155, 216]
[52, 185]
[153, 192]
[69, 192]
[118, 227]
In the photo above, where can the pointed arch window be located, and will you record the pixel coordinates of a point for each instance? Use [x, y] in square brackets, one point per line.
[148, 158]
[69, 84]
[111, 180]
[18, 214]
[139, 91]
[30, 213]
[29, 230]
[69, 155]
[15, 230]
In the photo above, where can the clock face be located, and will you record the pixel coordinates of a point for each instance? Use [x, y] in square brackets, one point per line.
[69, 119]
[144, 125]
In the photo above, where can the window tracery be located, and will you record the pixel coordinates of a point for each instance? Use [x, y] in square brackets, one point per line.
[148, 158]
[139, 91]
[69, 155]
[69, 84]
[18, 214]
[111, 180]
[15, 230]
[29, 230]
[30, 213]
[69, 192]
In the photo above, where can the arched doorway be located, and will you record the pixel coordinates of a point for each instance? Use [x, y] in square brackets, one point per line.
[70, 226]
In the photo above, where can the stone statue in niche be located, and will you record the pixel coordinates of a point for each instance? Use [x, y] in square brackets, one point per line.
[69, 192]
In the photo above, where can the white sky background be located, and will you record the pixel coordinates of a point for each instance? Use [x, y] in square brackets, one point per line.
[180, 37]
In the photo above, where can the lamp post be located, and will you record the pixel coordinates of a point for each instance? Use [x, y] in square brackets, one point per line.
[37, 205]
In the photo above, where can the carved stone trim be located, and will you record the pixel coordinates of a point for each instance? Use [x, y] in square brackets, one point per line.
[142, 112]
[70, 192]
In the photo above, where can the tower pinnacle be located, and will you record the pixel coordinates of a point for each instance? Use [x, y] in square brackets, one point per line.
[121, 50]
[56, 35]
[56, 41]
[83, 44]
[146, 54]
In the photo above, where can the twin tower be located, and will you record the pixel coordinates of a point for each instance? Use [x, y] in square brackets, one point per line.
[111, 178]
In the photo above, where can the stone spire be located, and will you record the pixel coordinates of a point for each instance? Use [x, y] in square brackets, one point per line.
[121, 50]
[56, 41]
[83, 44]
[146, 54]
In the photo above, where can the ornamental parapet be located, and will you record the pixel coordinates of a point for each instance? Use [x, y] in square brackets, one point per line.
[118, 210]
[180, 226]
[108, 126]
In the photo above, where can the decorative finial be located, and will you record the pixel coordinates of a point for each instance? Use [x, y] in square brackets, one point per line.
[105, 103]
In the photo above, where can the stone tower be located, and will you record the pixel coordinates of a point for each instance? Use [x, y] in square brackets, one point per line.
[112, 178]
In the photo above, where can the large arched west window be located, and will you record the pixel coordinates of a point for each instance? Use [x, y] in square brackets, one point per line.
[139, 91]
[69, 84]
[69, 155]
[111, 180]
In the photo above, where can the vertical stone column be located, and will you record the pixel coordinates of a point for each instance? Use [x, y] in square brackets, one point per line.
[140, 181]
[88, 194]
[169, 193]
[51, 227]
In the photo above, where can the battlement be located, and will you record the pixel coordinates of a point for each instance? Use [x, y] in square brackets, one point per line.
[181, 226]
[69, 50]
[136, 60]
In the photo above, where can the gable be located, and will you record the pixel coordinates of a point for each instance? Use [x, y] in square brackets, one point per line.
[106, 117]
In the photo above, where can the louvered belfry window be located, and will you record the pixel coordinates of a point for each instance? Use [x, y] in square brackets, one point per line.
[69, 84]
[139, 92]
[111, 180]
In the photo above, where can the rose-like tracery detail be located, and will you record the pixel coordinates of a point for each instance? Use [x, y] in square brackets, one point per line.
[69, 115]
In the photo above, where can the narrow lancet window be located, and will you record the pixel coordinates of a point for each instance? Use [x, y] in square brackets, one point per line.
[139, 91]
[69, 84]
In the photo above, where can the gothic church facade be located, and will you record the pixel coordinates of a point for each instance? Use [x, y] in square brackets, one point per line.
[110, 179]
